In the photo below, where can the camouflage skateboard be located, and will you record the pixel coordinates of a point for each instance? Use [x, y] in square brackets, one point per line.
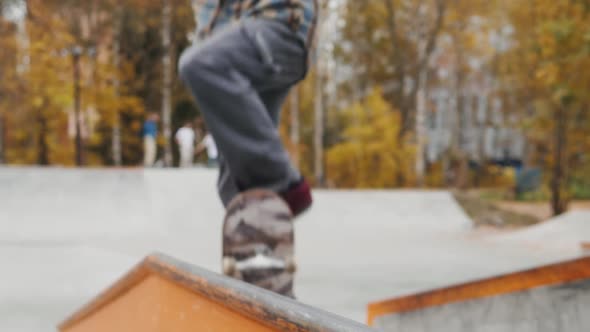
[258, 241]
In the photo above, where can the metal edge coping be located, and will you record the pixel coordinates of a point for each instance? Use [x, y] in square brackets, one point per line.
[547, 275]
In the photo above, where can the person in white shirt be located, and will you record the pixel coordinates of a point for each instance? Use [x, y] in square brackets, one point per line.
[212, 154]
[185, 138]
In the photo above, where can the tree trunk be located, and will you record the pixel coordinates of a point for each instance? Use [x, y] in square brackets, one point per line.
[2, 161]
[463, 127]
[116, 141]
[318, 139]
[318, 130]
[420, 126]
[559, 200]
[294, 134]
[398, 59]
[167, 80]
[77, 104]
[116, 134]
[43, 149]
[480, 121]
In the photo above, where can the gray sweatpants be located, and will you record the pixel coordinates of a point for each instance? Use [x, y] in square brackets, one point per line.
[240, 77]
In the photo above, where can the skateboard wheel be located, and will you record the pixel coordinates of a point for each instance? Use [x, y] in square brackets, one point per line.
[291, 265]
[229, 266]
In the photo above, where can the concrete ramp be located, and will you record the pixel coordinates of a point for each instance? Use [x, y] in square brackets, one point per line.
[546, 299]
[164, 294]
[84, 227]
[565, 234]
[76, 220]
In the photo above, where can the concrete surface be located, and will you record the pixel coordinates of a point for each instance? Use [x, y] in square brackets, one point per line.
[562, 308]
[65, 235]
[561, 235]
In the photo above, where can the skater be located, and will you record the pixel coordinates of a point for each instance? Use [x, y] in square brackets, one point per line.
[150, 134]
[247, 56]
[185, 138]
[208, 144]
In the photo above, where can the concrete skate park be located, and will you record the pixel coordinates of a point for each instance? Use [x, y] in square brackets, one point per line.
[66, 235]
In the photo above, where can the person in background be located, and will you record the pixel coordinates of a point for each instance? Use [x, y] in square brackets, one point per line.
[149, 134]
[209, 144]
[185, 138]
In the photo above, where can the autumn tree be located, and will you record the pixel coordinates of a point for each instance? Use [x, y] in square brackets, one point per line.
[545, 72]
[368, 156]
[389, 43]
[7, 76]
[36, 124]
[92, 69]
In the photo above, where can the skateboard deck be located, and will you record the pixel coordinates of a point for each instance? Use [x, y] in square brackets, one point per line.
[258, 241]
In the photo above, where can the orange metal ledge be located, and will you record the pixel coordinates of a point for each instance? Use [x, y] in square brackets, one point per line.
[555, 274]
[164, 294]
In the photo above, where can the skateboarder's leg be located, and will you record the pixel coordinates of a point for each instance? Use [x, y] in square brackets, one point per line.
[227, 75]
[226, 183]
[273, 101]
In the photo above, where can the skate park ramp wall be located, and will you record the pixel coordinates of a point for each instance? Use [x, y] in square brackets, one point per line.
[565, 234]
[61, 204]
[164, 294]
[546, 299]
[84, 227]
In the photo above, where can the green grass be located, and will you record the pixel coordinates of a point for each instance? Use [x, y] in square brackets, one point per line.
[496, 194]
[580, 190]
[485, 213]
